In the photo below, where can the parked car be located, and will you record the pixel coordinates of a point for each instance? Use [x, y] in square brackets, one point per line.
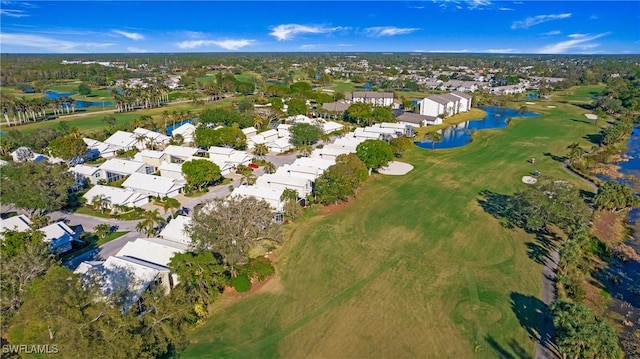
[253, 166]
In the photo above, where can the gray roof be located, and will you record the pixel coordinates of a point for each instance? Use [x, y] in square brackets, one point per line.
[414, 117]
[450, 97]
[438, 99]
[335, 106]
[462, 94]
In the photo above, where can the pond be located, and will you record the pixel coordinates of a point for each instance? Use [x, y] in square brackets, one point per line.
[80, 104]
[461, 134]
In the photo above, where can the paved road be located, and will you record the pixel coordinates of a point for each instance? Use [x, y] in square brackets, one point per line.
[591, 184]
[89, 222]
[104, 251]
[546, 348]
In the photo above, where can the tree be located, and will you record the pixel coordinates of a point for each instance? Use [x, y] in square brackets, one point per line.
[203, 275]
[381, 114]
[231, 226]
[358, 111]
[110, 121]
[245, 105]
[219, 116]
[225, 137]
[102, 230]
[374, 153]
[35, 186]
[297, 106]
[25, 257]
[260, 150]
[170, 203]
[615, 196]
[276, 102]
[399, 145]
[433, 137]
[150, 222]
[341, 181]
[201, 173]
[292, 208]
[269, 168]
[304, 134]
[84, 89]
[68, 147]
[549, 202]
[580, 334]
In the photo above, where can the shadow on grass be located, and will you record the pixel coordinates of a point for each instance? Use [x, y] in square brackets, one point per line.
[512, 350]
[560, 159]
[533, 316]
[594, 138]
[500, 207]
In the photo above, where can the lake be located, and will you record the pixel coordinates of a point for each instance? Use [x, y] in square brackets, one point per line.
[461, 134]
[80, 104]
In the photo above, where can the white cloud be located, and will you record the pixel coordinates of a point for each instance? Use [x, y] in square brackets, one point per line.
[594, 17]
[13, 13]
[500, 51]
[471, 4]
[225, 44]
[379, 31]
[535, 20]
[130, 35]
[477, 4]
[136, 49]
[445, 51]
[288, 31]
[50, 44]
[505, 9]
[577, 42]
[551, 33]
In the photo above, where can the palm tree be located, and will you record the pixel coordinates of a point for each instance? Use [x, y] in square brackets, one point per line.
[150, 222]
[260, 150]
[305, 150]
[269, 168]
[289, 194]
[170, 203]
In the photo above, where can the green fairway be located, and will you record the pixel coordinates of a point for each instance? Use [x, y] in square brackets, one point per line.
[341, 86]
[580, 94]
[411, 268]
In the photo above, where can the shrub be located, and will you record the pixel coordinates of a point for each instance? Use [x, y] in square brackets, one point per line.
[260, 268]
[241, 283]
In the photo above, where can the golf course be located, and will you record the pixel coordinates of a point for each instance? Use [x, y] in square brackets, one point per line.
[414, 267]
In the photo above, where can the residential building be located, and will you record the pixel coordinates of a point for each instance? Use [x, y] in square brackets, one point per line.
[179, 154]
[60, 236]
[122, 140]
[116, 196]
[153, 185]
[373, 98]
[84, 174]
[270, 195]
[417, 120]
[280, 145]
[303, 186]
[249, 132]
[187, 131]
[175, 230]
[150, 157]
[19, 223]
[115, 169]
[172, 170]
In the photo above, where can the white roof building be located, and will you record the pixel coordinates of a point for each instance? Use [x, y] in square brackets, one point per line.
[175, 230]
[361, 133]
[316, 162]
[331, 126]
[124, 141]
[306, 172]
[59, 235]
[283, 130]
[249, 131]
[117, 196]
[84, 172]
[123, 167]
[20, 223]
[152, 250]
[172, 170]
[329, 153]
[280, 145]
[179, 153]
[153, 185]
[101, 149]
[303, 185]
[187, 131]
[269, 195]
[152, 136]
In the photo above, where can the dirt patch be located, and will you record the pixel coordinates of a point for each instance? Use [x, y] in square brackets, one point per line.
[331, 208]
[609, 227]
[609, 170]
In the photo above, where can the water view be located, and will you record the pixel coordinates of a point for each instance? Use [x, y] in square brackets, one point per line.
[461, 134]
[79, 104]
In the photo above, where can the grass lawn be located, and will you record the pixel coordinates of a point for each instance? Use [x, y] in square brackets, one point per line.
[413, 267]
[110, 237]
[341, 86]
[579, 94]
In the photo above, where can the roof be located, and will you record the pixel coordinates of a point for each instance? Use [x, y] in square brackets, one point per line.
[121, 166]
[56, 231]
[150, 183]
[150, 154]
[268, 133]
[259, 192]
[414, 117]
[382, 130]
[185, 129]
[332, 126]
[84, 170]
[280, 143]
[180, 151]
[397, 126]
[117, 196]
[173, 167]
[461, 94]
[360, 132]
[175, 230]
[287, 170]
[157, 136]
[226, 151]
[160, 251]
[127, 275]
[320, 163]
[267, 179]
[18, 223]
[122, 139]
[450, 97]
[249, 130]
[437, 99]
[339, 106]
[284, 126]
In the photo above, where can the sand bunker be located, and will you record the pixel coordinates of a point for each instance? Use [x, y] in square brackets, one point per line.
[591, 116]
[395, 168]
[529, 180]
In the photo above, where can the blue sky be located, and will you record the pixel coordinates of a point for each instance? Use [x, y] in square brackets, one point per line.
[485, 26]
